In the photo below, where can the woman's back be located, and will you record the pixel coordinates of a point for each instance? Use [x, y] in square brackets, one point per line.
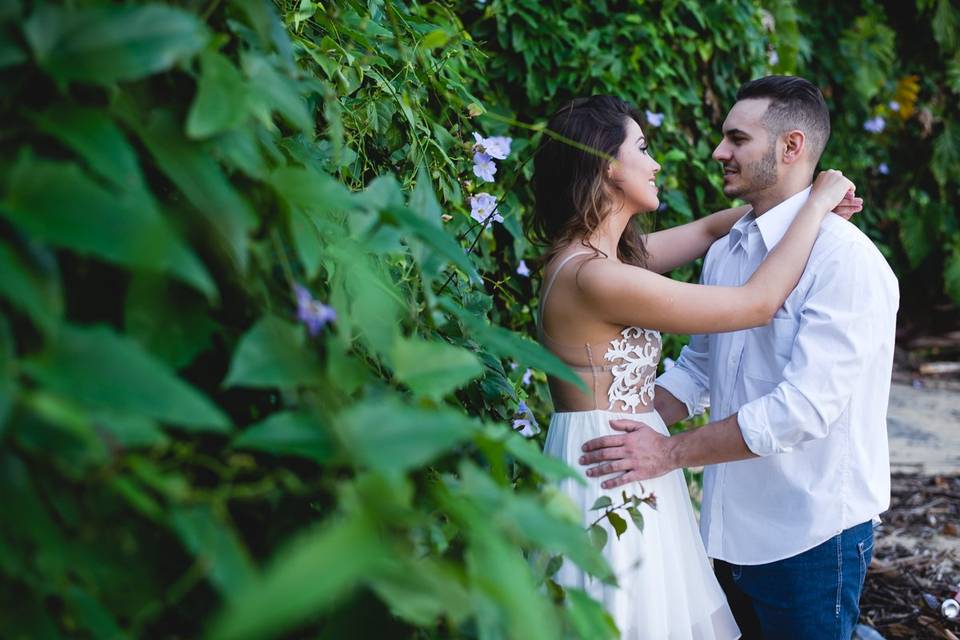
[617, 364]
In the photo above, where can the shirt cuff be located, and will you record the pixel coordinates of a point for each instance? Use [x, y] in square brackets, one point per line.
[684, 389]
[755, 428]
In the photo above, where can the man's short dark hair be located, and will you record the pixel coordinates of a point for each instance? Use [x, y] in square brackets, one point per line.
[795, 103]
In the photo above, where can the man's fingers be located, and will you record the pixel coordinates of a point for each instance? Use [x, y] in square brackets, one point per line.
[602, 442]
[608, 467]
[619, 481]
[627, 425]
[609, 453]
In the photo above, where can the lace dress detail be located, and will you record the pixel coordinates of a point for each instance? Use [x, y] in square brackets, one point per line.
[634, 369]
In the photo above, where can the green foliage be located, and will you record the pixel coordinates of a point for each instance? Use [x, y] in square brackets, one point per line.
[182, 455]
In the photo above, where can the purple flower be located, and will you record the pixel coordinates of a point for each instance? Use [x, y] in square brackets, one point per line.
[527, 428]
[527, 375]
[483, 209]
[894, 105]
[495, 146]
[655, 119]
[875, 125]
[883, 169]
[522, 408]
[484, 167]
[773, 57]
[523, 269]
[312, 313]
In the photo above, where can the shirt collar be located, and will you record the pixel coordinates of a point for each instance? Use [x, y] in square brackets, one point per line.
[773, 224]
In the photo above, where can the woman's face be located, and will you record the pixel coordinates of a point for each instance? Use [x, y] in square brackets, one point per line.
[635, 170]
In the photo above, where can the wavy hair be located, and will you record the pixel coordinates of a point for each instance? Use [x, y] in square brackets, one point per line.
[570, 176]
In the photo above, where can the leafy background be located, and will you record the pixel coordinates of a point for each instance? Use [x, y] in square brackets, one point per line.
[181, 457]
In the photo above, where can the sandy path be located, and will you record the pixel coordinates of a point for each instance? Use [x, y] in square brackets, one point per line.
[924, 429]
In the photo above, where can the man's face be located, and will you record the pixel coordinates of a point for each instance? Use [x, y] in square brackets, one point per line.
[747, 152]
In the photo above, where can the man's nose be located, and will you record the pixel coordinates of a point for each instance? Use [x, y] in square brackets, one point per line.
[722, 152]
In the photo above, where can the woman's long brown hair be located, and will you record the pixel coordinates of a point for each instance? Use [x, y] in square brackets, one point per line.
[570, 179]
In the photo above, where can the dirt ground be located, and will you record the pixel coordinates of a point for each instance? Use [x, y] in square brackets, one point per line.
[917, 548]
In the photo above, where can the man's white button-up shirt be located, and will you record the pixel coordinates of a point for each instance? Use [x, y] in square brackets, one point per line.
[810, 391]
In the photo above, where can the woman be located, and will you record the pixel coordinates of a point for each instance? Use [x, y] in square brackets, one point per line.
[602, 306]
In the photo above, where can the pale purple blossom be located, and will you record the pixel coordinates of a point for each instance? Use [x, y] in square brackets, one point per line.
[312, 313]
[527, 376]
[655, 119]
[527, 428]
[883, 169]
[773, 57]
[894, 105]
[523, 269]
[495, 146]
[875, 125]
[525, 422]
[484, 167]
[483, 209]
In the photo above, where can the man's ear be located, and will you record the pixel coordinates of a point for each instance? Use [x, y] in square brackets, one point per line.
[793, 146]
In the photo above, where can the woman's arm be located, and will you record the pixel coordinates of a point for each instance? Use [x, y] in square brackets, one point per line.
[674, 247]
[627, 295]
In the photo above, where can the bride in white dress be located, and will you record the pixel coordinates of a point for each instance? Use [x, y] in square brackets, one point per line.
[602, 306]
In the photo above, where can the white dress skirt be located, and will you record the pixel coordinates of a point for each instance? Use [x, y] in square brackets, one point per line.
[665, 589]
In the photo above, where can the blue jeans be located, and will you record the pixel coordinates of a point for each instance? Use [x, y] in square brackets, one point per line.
[814, 595]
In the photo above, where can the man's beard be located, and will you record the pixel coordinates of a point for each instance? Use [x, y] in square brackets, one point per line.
[762, 174]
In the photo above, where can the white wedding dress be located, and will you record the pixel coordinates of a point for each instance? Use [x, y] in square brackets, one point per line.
[665, 589]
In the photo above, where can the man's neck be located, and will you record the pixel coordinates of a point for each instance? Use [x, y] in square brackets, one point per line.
[784, 188]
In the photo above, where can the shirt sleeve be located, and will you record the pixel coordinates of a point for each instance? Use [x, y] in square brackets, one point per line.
[689, 379]
[833, 346]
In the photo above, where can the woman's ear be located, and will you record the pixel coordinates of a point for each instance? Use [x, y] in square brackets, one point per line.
[794, 143]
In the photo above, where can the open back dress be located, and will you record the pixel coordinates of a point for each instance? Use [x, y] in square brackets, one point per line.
[665, 589]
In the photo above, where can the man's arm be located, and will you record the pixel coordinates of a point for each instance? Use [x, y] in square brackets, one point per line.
[833, 346]
[642, 453]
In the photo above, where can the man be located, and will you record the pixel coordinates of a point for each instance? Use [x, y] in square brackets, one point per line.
[797, 454]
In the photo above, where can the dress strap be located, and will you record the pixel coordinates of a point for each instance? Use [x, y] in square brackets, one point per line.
[550, 282]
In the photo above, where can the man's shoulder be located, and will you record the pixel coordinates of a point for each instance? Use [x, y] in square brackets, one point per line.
[842, 240]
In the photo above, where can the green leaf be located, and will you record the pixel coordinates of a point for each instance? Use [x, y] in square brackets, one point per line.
[588, 617]
[619, 524]
[128, 430]
[56, 203]
[530, 454]
[423, 201]
[169, 322]
[37, 295]
[8, 381]
[366, 298]
[637, 517]
[434, 39]
[387, 435]
[433, 237]
[102, 370]
[221, 100]
[197, 174]
[602, 503]
[213, 541]
[311, 191]
[422, 590]
[87, 613]
[507, 344]
[293, 433]
[304, 579]
[598, 535]
[951, 274]
[272, 354]
[97, 139]
[433, 369]
[106, 44]
[553, 566]
[272, 91]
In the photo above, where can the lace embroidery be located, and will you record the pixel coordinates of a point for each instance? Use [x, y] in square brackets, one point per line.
[634, 370]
